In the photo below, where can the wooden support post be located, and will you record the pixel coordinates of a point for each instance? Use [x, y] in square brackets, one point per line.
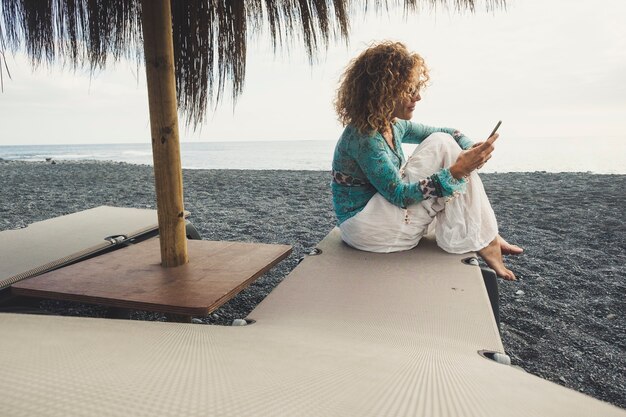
[158, 49]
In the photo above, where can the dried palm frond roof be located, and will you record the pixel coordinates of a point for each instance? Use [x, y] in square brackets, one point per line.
[210, 36]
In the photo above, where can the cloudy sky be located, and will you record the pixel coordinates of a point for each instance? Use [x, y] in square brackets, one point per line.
[547, 68]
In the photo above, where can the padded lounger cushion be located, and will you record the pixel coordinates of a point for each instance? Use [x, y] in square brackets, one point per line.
[347, 333]
[48, 244]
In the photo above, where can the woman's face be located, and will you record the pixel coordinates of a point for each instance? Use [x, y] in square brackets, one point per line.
[405, 106]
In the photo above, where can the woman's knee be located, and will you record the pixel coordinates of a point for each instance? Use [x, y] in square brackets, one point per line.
[441, 144]
[437, 151]
[440, 139]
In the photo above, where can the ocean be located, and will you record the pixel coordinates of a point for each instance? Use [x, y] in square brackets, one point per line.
[602, 156]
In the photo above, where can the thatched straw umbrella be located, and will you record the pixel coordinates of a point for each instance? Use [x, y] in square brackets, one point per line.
[191, 47]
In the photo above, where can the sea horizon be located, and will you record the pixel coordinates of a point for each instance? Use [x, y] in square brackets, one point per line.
[605, 156]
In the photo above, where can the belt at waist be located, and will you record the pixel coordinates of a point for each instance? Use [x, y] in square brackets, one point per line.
[347, 180]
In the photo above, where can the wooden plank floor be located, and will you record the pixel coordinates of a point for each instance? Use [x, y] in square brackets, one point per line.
[133, 278]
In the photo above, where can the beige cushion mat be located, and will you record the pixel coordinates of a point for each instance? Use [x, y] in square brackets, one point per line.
[348, 333]
[48, 244]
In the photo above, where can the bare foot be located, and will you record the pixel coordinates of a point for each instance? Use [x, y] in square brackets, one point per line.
[492, 254]
[507, 248]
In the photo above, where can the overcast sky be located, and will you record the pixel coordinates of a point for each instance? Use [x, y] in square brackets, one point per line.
[547, 68]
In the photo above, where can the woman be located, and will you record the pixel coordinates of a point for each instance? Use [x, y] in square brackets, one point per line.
[386, 204]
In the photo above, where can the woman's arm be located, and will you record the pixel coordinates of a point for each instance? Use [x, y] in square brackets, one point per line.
[381, 172]
[416, 133]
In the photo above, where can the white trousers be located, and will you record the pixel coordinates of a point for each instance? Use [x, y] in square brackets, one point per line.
[464, 223]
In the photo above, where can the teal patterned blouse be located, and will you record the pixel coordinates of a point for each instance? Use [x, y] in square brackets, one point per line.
[364, 165]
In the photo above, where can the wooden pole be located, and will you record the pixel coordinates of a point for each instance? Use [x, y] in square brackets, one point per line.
[158, 49]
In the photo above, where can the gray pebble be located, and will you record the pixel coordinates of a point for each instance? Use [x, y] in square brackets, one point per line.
[196, 320]
[519, 292]
[610, 316]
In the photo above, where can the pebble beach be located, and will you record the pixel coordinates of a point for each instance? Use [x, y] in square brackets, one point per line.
[563, 320]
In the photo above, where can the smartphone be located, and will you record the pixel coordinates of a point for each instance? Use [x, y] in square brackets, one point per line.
[495, 129]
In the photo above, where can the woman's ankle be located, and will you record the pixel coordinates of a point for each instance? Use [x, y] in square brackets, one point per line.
[492, 255]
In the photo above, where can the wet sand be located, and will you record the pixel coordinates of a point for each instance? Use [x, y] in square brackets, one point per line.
[563, 320]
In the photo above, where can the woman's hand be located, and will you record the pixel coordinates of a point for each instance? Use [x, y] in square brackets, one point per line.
[473, 158]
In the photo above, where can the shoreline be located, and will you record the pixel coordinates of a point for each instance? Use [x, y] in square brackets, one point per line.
[566, 326]
[605, 155]
[112, 162]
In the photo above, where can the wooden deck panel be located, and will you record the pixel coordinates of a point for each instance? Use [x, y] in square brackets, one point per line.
[133, 277]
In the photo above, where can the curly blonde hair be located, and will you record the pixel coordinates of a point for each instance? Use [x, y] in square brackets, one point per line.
[373, 83]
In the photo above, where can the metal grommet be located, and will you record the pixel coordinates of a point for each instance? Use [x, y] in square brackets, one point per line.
[472, 260]
[116, 239]
[498, 357]
[315, 252]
